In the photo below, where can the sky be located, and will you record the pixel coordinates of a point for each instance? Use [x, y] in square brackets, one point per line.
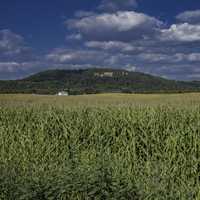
[151, 36]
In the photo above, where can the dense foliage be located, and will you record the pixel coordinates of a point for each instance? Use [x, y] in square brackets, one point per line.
[99, 153]
[93, 81]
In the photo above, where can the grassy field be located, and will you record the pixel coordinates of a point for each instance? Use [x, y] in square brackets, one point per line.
[111, 146]
[180, 100]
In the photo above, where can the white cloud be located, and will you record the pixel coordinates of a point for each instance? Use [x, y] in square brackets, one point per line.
[183, 57]
[10, 43]
[89, 57]
[194, 76]
[113, 5]
[191, 57]
[113, 46]
[76, 36]
[69, 56]
[82, 13]
[192, 17]
[194, 57]
[121, 24]
[13, 47]
[61, 57]
[15, 56]
[9, 66]
[169, 58]
[120, 21]
[153, 57]
[181, 32]
[131, 68]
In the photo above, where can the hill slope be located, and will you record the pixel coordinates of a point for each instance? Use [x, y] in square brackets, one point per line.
[94, 81]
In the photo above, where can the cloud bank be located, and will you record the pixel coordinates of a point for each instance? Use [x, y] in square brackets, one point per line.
[114, 35]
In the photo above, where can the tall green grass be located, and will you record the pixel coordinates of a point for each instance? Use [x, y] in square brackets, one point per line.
[100, 153]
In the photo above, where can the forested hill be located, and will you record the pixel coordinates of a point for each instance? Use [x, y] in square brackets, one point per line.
[90, 81]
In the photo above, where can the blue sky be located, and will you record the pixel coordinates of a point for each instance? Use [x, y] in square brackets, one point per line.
[152, 36]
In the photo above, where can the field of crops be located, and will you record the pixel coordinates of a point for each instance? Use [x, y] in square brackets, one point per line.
[102, 100]
[131, 147]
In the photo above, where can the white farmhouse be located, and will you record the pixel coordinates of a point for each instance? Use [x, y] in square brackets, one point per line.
[63, 93]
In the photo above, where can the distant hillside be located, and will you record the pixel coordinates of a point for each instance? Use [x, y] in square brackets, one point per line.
[95, 81]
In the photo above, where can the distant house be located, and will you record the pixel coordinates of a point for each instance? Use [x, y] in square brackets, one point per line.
[124, 73]
[63, 93]
[110, 74]
[104, 74]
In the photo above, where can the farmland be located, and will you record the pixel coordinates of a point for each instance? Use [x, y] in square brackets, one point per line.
[101, 100]
[108, 146]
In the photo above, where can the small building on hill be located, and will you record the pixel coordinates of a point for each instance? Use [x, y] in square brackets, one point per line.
[104, 74]
[111, 74]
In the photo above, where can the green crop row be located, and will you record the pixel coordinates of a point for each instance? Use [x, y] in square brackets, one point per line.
[99, 153]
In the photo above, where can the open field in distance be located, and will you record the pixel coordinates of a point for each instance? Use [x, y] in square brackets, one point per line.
[187, 99]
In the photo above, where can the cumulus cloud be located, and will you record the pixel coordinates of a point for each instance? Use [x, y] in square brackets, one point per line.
[11, 43]
[69, 56]
[181, 32]
[8, 66]
[192, 17]
[114, 5]
[153, 57]
[92, 57]
[169, 58]
[13, 47]
[191, 57]
[82, 13]
[113, 46]
[75, 36]
[121, 25]
[15, 56]
[130, 68]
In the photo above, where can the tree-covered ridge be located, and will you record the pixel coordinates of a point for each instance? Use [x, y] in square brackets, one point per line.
[95, 81]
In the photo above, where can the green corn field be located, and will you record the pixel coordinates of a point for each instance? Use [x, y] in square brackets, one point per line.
[117, 150]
